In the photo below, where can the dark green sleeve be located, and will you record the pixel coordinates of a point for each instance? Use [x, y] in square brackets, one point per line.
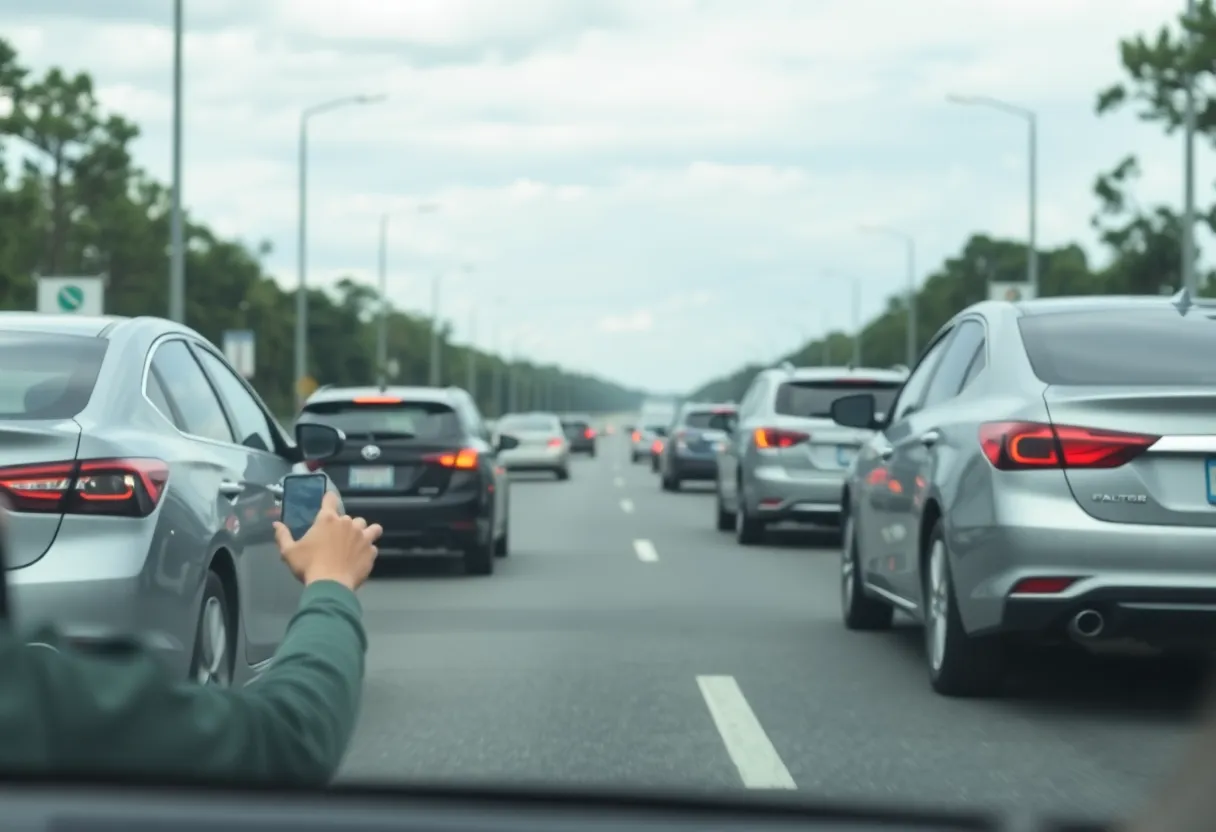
[125, 715]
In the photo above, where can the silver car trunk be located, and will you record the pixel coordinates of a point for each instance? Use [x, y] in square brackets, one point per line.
[35, 456]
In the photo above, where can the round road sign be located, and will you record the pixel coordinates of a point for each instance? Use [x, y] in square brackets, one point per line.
[70, 298]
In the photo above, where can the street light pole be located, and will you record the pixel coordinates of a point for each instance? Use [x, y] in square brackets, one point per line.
[1032, 164]
[1190, 279]
[472, 354]
[301, 333]
[435, 359]
[177, 243]
[910, 251]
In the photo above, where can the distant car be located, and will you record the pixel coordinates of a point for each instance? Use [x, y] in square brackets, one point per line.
[420, 462]
[540, 443]
[580, 433]
[786, 459]
[1057, 464]
[143, 475]
[692, 451]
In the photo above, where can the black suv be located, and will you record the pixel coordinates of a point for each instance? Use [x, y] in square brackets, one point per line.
[579, 433]
[418, 461]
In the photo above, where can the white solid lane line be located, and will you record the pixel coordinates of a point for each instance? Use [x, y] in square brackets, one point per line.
[627, 506]
[619, 482]
[749, 747]
[645, 551]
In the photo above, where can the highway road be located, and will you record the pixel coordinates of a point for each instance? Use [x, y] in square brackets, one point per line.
[626, 643]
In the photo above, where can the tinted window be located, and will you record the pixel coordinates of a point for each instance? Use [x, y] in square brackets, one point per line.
[190, 390]
[960, 352]
[1112, 347]
[914, 388]
[529, 423]
[252, 429]
[813, 399]
[703, 419]
[46, 376]
[427, 421]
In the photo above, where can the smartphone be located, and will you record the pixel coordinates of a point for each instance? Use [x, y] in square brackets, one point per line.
[302, 495]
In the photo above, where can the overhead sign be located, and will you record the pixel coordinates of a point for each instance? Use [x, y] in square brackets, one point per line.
[1010, 290]
[239, 347]
[72, 295]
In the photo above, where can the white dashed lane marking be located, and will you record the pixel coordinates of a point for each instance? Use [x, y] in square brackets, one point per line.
[749, 747]
[645, 551]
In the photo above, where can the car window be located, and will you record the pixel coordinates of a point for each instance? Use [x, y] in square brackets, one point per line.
[189, 389]
[424, 421]
[160, 399]
[978, 362]
[46, 376]
[914, 388]
[253, 430]
[704, 419]
[952, 369]
[813, 399]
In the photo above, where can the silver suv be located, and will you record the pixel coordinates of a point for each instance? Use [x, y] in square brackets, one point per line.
[784, 459]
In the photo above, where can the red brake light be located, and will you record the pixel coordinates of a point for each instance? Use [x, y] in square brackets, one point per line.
[637, 436]
[589, 433]
[115, 487]
[464, 460]
[555, 442]
[377, 400]
[1018, 446]
[768, 438]
[1042, 586]
[657, 447]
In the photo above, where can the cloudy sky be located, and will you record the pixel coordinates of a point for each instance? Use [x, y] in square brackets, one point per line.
[654, 190]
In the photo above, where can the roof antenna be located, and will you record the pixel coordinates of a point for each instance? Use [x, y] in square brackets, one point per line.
[1182, 300]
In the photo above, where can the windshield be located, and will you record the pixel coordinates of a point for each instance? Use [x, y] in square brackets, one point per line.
[516, 252]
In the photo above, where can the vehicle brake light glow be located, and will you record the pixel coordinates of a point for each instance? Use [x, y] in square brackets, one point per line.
[463, 460]
[589, 433]
[555, 442]
[377, 400]
[1019, 446]
[114, 487]
[776, 438]
[636, 436]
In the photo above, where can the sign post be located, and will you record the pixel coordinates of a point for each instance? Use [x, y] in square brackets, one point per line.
[240, 349]
[72, 295]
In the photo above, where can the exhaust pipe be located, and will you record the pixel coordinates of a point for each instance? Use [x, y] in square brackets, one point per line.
[1087, 624]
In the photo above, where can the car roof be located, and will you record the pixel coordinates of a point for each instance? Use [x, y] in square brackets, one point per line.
[833, 373]
[1080, 303]
[89, 326]
[700, 407]
[446, 395]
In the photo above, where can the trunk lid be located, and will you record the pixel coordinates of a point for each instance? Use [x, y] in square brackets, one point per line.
[1172, 482]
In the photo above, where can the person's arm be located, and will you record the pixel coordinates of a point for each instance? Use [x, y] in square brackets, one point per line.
[125, 715]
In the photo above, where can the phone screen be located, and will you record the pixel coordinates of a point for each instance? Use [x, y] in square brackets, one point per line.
[302, 494]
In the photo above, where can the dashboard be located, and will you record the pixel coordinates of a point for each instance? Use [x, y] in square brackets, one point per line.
[66, 807]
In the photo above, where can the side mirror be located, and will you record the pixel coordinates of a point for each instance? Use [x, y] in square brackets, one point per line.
[856, 411]
[506, 443]
[317, 441]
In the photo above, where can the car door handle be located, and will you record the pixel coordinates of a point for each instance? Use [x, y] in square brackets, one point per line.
[231, 489]
[930, 438]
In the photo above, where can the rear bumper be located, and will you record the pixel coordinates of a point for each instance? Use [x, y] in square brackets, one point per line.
[776, 496]
[534, 459]
[694, 466]
[1168, 618]
[582, 446]
[414, 524]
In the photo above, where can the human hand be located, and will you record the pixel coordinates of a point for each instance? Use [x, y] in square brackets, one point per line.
[338, 547]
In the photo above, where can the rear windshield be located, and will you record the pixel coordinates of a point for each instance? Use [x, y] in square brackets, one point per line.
[528, 423]
[410, 420]
[45, 376]
[703, 419]
[574, 424]
[1121, 347]
[813, 399]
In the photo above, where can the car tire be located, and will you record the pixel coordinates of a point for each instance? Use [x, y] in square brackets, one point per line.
[859, 611]
[479, 558]
[654, 463]
[725, 519]
[562, 473]
[591, 453]
[748, 530]
[502, 546]
[960, 664]
[633, 457]
[214, 633]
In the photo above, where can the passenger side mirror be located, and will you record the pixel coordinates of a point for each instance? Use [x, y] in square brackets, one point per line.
[856, 411]
[317, 441]
[506, 443]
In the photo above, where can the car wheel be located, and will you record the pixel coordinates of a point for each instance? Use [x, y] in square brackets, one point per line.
[633, 457]
[479, 558]
[592, 453]
[502, 546]
[860, 611]
[654, 464]
[959, 664]
[748, 530]
[213, 655]
[726, 519]
[562, 473]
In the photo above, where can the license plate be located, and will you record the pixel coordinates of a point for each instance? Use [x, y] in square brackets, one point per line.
[372, 476]
[1211, 478]
[845, 454]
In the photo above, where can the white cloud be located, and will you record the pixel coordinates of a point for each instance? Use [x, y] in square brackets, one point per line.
[648, 190]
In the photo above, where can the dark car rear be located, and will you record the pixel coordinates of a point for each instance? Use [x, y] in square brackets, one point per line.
[691, 453]
[411, 464]
[580, 434]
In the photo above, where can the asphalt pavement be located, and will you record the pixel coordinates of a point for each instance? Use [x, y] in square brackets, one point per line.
[625, 643]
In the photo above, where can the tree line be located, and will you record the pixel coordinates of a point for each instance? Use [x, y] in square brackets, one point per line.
[1144, 243]
[78, 204]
